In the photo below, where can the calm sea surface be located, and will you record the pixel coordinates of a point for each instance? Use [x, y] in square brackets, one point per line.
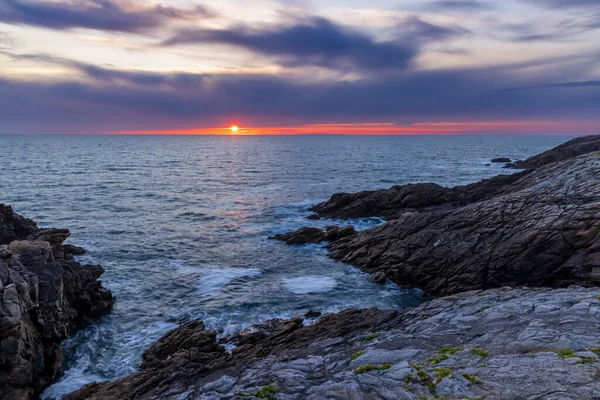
[181, 224]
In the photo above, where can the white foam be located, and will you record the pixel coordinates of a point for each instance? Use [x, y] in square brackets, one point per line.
[213, 280]
[310, 284]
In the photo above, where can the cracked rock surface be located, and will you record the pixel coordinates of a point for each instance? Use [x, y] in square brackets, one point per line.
[499, 344]
[44, 295]
[541, 230]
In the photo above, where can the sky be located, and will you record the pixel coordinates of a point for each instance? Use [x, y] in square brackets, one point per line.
[300, 66]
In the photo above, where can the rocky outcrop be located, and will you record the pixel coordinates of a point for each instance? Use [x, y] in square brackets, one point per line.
[570, 149]
[190, 356]
[542, 230]
[538, 228]
[13, 226]
[392, 203]
[499, 344]
[315, 235]
[44, 295]
[501, 160]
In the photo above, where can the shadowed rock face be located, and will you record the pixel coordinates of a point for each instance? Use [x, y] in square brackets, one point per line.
[502, 344]
[44, 295]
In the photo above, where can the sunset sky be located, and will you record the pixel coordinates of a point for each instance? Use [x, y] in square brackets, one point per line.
[284, 67]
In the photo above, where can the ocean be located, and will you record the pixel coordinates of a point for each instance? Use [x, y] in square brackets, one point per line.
[181, 224]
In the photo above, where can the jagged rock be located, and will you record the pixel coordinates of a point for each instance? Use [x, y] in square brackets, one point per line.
[379, 277]
[542, 230]
[44, 295]
[312, 314]
[190, 356]
[315, 235]
[502, 344]
[13, 226]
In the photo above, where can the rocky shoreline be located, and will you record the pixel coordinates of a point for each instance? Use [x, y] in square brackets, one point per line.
[45, 295]
[517, 258]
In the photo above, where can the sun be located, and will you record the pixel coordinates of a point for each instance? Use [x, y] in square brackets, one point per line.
[234, 129]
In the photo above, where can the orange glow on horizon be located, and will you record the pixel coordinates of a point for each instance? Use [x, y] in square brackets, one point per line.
[391, 128]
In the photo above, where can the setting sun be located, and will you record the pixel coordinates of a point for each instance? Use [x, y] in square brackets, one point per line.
[234, 129]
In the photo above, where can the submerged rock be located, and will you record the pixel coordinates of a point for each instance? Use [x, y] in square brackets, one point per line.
[44, 295]
[498, 344]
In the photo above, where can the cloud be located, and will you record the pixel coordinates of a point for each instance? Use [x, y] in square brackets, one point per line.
[111, 99]
[321, 42]
[106, 15]
[315, 41]
[564, 3]
[458, 5]
[415, 29]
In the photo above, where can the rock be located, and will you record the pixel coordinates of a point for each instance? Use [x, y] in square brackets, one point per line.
[312, 314]
[393, 202]
[379, 277]
[315, 235]
[13, 226]
[540, 231]
[570, 149]
[44, 296]
[501, 160]
[314, 216]
[190, 355]
[501, 344]
[536, 228]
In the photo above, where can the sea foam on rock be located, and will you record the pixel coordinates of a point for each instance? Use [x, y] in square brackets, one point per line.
[44, 295]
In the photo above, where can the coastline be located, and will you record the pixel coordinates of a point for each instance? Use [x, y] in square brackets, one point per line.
[478, 343]
[483, 340]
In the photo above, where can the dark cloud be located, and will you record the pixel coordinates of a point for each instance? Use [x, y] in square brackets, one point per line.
[106, 15]
[119, 100]
[319, 41]
[316, 41]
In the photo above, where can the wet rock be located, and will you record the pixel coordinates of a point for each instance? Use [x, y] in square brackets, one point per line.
[315, 235]
[501, 160]
[44, 296]
[312, 314]
[378, 277]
